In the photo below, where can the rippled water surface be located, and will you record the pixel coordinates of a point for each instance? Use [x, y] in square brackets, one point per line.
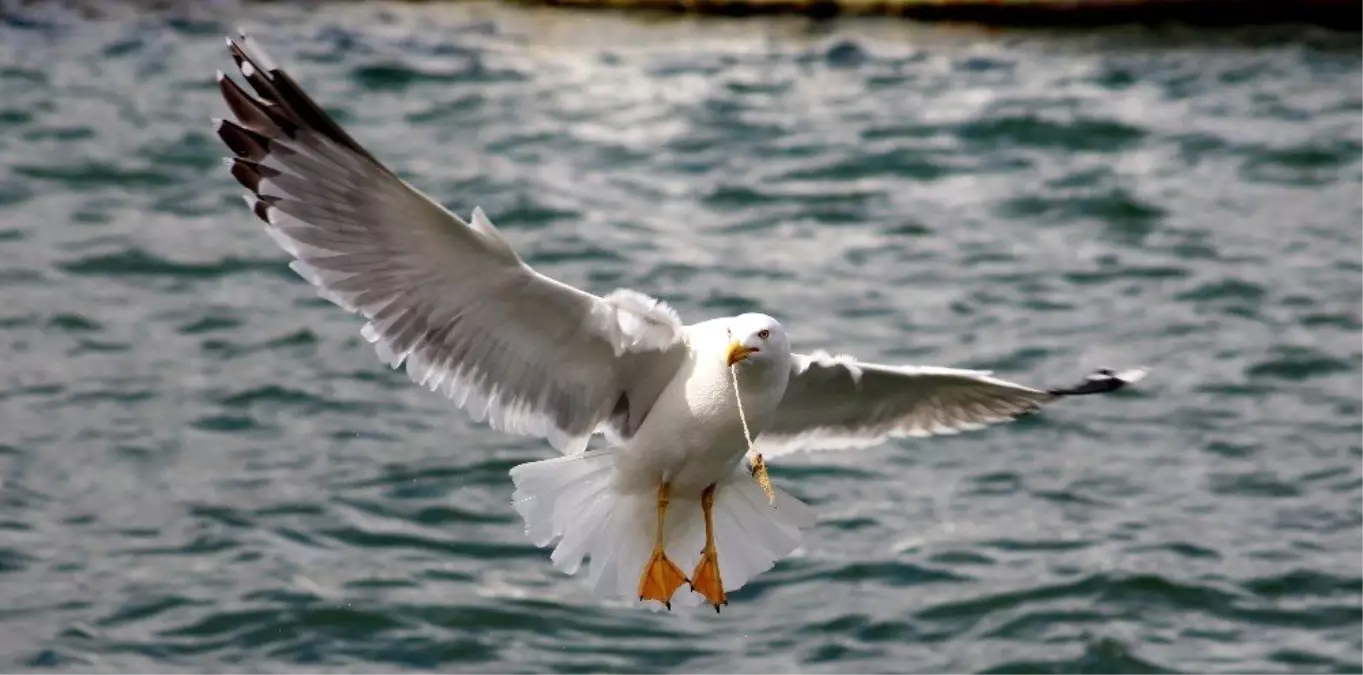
[205, 468]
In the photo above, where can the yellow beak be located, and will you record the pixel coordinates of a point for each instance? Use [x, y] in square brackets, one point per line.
[737, 352]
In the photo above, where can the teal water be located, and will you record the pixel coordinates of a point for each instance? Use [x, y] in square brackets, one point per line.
[204, 468]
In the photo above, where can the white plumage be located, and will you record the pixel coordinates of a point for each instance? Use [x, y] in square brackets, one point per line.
[691, 439]
[451, 301]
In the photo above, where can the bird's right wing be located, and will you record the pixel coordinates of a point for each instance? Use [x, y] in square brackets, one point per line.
[447, 297]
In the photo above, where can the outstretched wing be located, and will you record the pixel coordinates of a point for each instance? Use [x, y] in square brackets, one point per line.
[447, 297]
[837, 402]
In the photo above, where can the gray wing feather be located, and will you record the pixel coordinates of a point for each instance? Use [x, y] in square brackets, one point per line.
[448, 298]
[838, 403]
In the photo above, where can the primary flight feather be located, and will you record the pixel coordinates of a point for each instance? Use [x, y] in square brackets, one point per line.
[451, 301]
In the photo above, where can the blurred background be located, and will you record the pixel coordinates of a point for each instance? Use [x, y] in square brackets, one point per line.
[203, 467]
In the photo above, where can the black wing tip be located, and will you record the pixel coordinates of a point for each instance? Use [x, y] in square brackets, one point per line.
[261, 206]
[1104, 380]
[242, 141]
[282, 99]
[250, 174]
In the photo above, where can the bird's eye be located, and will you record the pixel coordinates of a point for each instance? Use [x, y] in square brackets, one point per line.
[764, 333]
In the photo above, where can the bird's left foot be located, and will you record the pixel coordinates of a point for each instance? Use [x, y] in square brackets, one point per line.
[706, 580]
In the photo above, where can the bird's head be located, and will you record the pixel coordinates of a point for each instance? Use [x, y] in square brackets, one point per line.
[757, 339]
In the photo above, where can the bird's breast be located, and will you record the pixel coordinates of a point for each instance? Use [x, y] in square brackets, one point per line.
[694, 435]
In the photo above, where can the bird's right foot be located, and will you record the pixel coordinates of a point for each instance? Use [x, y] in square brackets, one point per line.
[661, 579]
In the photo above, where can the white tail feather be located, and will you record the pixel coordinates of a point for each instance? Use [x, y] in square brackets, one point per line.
[573, 502]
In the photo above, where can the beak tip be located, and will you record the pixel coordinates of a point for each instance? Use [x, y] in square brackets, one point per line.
[738, 352]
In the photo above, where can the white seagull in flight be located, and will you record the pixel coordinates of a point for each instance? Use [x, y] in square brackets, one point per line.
[453, 301]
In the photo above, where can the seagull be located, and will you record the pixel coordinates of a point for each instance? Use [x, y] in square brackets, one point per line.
[680, 406]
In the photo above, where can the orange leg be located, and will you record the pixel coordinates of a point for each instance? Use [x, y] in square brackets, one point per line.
[705, 579]
[661, 577]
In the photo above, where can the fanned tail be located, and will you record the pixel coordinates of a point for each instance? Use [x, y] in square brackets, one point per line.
[573, 504]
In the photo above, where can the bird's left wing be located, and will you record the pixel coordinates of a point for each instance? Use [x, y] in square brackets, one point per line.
[838, 402]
